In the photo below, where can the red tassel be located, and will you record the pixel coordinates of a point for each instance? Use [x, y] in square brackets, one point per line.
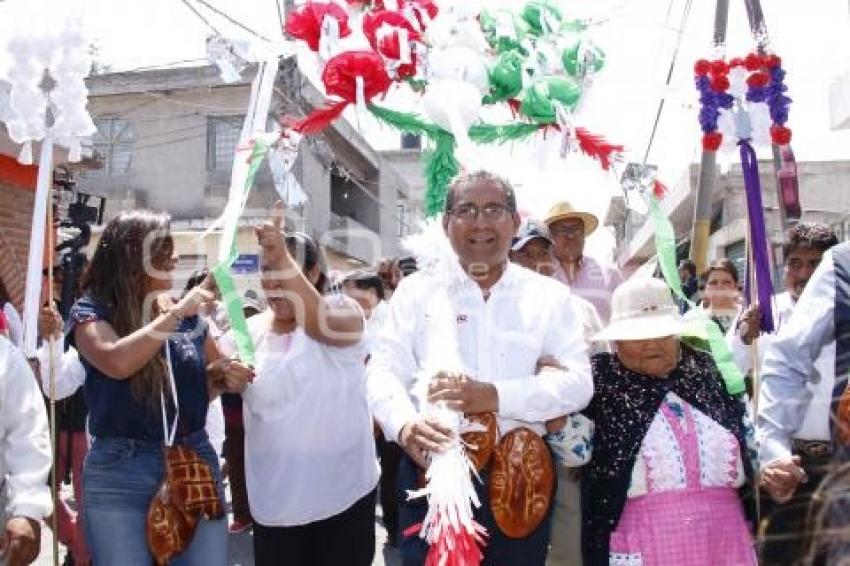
[659, 189]
[514, 105]
[320, 118]
[597, 147]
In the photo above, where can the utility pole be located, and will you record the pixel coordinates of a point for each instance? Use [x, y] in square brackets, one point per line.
[708, 164]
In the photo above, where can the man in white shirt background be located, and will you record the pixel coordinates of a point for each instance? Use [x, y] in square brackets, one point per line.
[24, 459]
[782, 537]
[501, 320]
[793, 374]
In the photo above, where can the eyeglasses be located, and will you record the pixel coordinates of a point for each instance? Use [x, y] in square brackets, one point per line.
[568, 230]
[492, 212]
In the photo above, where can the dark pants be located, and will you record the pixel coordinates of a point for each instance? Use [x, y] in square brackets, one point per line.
[347, 538]
[783, 535]
[500, 550]
[234, 455]
[390, 456]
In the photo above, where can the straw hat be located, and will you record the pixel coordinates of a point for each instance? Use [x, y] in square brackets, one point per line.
[643, 309]
[563, 210]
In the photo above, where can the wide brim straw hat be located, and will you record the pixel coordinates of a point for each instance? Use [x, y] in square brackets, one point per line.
[563, 210]
[643, 309]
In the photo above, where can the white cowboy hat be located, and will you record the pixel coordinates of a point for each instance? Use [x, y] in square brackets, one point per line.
[643, 309]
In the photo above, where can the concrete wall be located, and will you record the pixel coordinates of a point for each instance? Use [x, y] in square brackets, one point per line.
[169, 110]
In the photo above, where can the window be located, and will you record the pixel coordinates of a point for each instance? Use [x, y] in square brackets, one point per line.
[402, 217]
[222, 138]
[411, 141]
[113, 143]
[737, 253]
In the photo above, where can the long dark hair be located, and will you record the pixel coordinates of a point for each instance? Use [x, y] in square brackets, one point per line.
[117, 277]
[5, 297]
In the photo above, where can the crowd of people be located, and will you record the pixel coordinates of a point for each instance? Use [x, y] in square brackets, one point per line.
[625, 447]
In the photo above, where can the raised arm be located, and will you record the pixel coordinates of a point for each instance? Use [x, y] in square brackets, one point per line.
[335, 323]
[121, 357]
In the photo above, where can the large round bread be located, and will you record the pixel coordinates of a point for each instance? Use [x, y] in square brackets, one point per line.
[522, 480]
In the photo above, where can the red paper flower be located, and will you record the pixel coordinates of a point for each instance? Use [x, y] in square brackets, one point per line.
[719, 67]
[711, 141]
[702, 67]
[376, 19]
[305, 23]
[736, 62]
[758, 79]
[340, 79]
[780, 135]
[424, 6]
[389, 41]
[753, 62]
[341, 72]
[771, 61]
[720, 83]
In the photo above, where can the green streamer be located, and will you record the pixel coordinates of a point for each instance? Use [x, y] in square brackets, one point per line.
[439, 163]
[223, 277]
[665, 246]
[502, 133]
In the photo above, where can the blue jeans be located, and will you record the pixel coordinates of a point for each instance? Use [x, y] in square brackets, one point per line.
[120, 478]
[500, 550]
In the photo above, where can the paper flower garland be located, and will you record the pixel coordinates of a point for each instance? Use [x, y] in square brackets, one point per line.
[354, 76]
[757, 83]
[307, 22]
[534, 60]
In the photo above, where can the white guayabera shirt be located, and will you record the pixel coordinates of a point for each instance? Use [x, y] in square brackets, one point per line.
[500, 340]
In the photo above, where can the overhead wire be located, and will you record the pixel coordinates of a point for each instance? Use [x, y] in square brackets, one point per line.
[234, 21]
[685, 13]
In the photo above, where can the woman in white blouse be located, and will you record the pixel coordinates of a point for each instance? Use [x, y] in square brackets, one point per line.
[310, 462]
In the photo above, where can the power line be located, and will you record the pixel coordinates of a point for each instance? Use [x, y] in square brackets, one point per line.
[233, 21]
[682, 24]
[201, 17]
[280, 17]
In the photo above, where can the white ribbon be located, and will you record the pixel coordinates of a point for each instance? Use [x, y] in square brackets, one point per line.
[168, 437]
[360, 99]
[565, 120]
[255, 122]
[329, 38]
[35, 261]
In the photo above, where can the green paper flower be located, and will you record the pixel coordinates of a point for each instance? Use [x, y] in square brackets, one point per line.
[505, 78]
[570, 58]
[500, 39]
[538, 101]
[535, 14]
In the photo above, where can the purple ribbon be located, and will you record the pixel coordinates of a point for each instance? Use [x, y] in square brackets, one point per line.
[758, 237]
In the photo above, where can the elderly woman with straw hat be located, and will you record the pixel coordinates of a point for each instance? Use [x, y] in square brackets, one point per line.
[669, 453]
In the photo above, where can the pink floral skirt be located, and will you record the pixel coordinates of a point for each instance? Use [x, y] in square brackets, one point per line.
[689, 527]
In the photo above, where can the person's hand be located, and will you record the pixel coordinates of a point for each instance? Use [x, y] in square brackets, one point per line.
[780, 478]
[49, 323]
[21, 541]
[422, 436]
[749, 327]
[270, 232]
[462, 393]
[192, 301]
[231, 376]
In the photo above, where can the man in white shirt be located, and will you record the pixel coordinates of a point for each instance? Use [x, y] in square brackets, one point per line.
[820, 318]
[494, 319]
[782, 533]
[24, 459]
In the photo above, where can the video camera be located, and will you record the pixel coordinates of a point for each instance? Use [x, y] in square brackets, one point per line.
[80, 215]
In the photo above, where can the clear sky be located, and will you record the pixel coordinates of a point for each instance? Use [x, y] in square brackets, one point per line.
[639, 38]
